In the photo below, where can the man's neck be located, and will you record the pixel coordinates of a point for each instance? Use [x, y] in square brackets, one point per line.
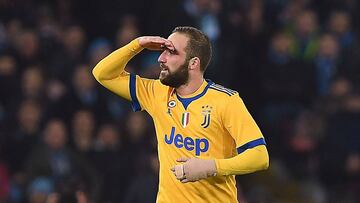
[190, 87]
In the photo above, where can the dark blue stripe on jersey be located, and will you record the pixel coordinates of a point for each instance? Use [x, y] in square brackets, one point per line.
[134, 101]
[221, 91]
[187, 101]
[251, 144]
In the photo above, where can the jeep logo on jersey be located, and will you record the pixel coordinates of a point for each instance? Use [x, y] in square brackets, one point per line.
[199, 145]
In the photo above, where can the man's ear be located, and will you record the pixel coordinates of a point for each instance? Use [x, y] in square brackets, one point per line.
[194, 63]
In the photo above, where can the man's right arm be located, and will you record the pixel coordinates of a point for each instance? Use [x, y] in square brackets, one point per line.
[110, 71]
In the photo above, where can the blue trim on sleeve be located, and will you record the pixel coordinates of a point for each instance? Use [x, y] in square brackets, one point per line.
[251, 144]
[132, 86]
[187, 101]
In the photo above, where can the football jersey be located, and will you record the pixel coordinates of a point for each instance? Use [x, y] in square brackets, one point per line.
[211, 123]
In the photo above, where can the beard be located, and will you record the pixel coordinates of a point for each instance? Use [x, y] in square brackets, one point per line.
[177, 78]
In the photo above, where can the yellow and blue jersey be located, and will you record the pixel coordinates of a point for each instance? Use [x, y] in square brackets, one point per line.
[212, 123]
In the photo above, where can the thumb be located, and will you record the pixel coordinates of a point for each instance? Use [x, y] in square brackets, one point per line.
[182, 159]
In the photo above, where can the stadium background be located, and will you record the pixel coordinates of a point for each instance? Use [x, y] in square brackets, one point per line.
[295, 63]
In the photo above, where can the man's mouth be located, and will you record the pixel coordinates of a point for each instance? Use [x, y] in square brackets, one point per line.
[163, 69]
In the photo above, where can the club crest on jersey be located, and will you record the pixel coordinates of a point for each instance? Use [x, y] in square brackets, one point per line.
[206, 112]
[185, 119]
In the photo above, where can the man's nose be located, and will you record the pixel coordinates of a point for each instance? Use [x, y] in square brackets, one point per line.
[162, 57]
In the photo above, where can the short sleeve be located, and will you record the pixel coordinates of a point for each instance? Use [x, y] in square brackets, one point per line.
[142, 93]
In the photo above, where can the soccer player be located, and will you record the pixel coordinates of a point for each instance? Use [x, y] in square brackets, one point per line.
[205, 134]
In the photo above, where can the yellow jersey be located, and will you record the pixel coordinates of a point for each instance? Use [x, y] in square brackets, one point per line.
[212, 123]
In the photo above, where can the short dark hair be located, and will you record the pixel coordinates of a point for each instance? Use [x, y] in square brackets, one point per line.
[198, 45]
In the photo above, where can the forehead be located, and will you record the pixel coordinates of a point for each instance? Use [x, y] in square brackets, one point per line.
[179, 41]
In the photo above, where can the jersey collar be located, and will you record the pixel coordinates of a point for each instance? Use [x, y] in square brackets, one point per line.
[186, 100]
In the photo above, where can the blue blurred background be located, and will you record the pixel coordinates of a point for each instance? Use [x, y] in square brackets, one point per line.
[64, 138]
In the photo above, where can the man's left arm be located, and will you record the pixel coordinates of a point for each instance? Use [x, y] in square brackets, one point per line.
[250, 145]
[252, 154]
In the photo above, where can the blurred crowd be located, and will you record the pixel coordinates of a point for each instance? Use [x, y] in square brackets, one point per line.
[64, 138]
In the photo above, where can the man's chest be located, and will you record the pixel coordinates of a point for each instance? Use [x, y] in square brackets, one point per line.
[200, 115]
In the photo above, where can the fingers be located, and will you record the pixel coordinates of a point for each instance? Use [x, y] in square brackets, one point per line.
[155, 43]
[178, 171]
[162, 42]
[185, 180]
[182, 159]
[159, 40]
[169, 45]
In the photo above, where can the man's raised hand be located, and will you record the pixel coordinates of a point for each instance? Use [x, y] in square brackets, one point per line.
[155, 43]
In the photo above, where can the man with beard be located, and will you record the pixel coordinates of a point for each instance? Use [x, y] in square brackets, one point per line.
[205, 134]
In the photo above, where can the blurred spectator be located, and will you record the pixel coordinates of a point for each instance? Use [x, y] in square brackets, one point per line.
[39, 189]
[84, 92]
[56, 99]
[113, 162]
[8, 88]
[290, 10]
[68, 171]
[249, 52]
[74, 40]
[137, 130]
[32, 84]
[27, 45]
[326, 62]
[14, 27]
[127, 31]
[138, 139]
[205, 14]
[288, 87]
[331, 103]
[21, 140]
[342, 122]
[340, 26]
[3, 37]
[147, 183]
[284, 78]
[304, 36]
[99, 48]
[83, 130]
[24, 137]
[69, 51]
[303, 145]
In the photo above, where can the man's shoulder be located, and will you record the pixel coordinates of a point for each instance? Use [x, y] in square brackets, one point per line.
[159, 88]
[221, 91]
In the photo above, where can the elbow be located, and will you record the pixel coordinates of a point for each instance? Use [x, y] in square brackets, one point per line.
[265, 160]
[262, 158]
[96, 73]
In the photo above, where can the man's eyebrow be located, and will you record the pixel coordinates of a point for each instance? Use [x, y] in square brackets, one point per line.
[172, 51]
